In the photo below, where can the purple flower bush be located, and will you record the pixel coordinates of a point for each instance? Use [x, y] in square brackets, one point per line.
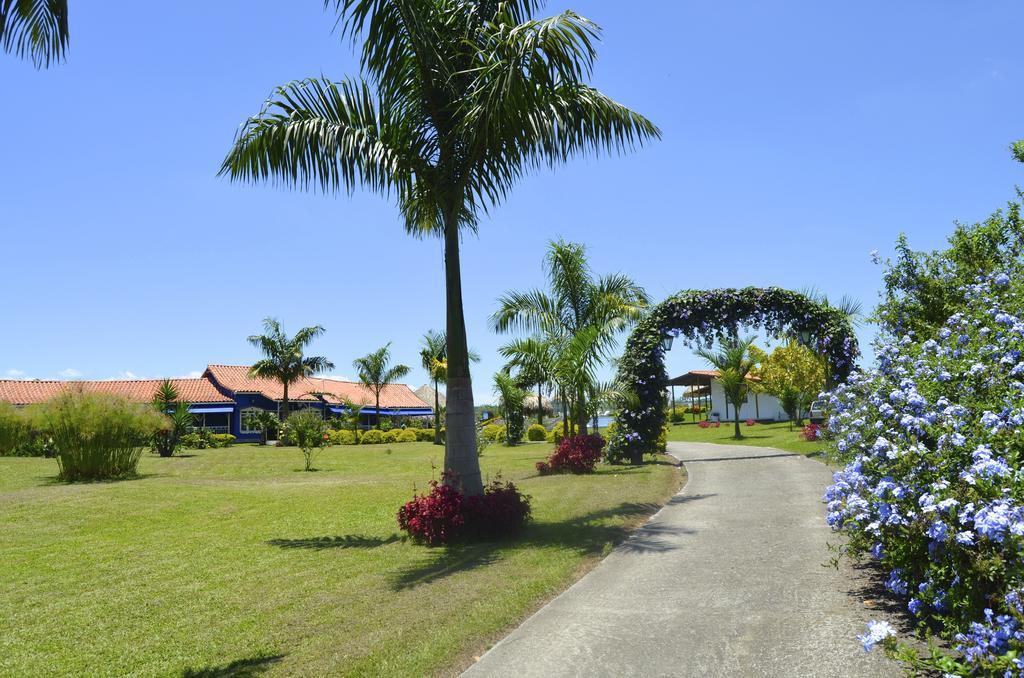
[933, 489]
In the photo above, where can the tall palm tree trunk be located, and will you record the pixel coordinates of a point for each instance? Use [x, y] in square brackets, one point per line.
[736, 420]
[284, 401]
[377, 404]
[460, 454]
[540, 404]
[581, 411]
[437, 415]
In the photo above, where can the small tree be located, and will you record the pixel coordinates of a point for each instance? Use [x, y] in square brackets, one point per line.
[166, 402]
[307, 430]
[734, 365]
[376, 373]
[792, 373]
[350, 417]
[511, 399]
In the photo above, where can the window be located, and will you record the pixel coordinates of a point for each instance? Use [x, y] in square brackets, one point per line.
[249, 424]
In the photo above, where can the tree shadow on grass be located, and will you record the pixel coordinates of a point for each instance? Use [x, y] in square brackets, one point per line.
[54, 480]
[348, 541]
[253, 666]
[585, 535]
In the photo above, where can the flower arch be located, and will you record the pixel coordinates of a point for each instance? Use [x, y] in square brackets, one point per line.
[701, 317]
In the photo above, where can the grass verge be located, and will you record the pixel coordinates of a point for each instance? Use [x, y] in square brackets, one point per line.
[762, 435]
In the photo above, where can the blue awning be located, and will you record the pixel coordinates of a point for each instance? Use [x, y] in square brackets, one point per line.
[406, 412]
[211, 410]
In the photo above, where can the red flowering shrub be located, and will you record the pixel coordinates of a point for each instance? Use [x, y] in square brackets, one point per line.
[751, 422]
[445, 514]
[811, 432]
[705, 424]
[577, 454]
[716, 424]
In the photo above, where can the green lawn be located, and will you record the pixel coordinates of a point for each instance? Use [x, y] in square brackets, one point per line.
[764, 435]
[234, 562]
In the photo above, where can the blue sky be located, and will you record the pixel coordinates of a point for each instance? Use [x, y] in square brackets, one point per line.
[798, 137]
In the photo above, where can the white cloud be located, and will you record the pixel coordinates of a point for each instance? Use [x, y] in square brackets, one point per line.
[70, 373]
[15, 374]
[339, 377]
[195, 374]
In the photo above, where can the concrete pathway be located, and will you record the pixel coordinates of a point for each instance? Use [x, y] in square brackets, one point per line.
[727, 580]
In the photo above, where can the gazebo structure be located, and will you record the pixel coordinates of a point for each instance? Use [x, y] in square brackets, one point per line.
[698, 389]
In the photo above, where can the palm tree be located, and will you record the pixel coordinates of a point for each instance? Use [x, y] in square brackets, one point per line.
[458, 101]
[167, 402]
[283, 358]
[734, 364]
[376, 373]
[34, 29]
[534, 359]
[580, 311]
[510, 401]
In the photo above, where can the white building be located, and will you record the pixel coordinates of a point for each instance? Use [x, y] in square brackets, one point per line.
[758, 406]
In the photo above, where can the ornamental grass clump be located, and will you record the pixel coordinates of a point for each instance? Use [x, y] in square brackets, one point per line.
[933, 489]
[97, 436]
[14, 430]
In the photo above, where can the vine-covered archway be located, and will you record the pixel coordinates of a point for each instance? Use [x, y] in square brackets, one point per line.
[701, 317]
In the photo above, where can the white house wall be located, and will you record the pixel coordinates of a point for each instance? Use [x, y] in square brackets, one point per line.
[767, 406]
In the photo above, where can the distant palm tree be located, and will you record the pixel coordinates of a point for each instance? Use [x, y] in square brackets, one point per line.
[376, 372]
[459, 101]
[283, 356]
[34, 29]
[511, 399]
[581, 316]
[167, 402]
[534, 360]
[734, 364]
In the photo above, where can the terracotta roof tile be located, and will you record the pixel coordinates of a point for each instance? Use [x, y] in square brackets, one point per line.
[236, 378]
[142, 390]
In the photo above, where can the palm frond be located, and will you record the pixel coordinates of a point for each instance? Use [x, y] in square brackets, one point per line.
[35, 29]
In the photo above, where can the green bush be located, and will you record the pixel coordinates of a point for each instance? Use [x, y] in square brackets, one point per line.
[536, 433]
[194, 441]
[556, 434]
[407, 436]
[493, 432]
[372, 437]
[15, 431]
[343, 437]
[390, 436]
[307, 429]
[98, 436]
[425, 435]
[222, 439]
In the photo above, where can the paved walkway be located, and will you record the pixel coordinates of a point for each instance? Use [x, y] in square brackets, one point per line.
[727, 580]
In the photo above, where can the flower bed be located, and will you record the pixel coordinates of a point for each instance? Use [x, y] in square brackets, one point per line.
[577, 454]
[932, 489]
[445, 514]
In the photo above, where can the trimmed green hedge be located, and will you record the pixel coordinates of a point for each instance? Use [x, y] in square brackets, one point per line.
[536, 433]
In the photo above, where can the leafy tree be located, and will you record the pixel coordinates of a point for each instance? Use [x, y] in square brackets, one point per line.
[459, 100]
[34, 29]
[922, 289]
[533, 358]
[734, 364]
[580, 315]
[284, 358]
[792, 373]
[511, 399]
[307, 430]
[167, 402]
[376, 373]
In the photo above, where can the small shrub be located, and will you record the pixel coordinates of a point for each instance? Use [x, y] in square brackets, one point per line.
[98, 436]
[308, 430]
[704, 424]
[445, 515]
[577, 454]
[390, 436]
[372, 437]
[556, 434]
[222, 439]
[811, 432]
[342, 437]
[536, 433]
[751, 422]
[194, 441]
[661, 444]
[677, 416]
[407, 436]
[425, 435]
[15, 432]
[493, 432]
